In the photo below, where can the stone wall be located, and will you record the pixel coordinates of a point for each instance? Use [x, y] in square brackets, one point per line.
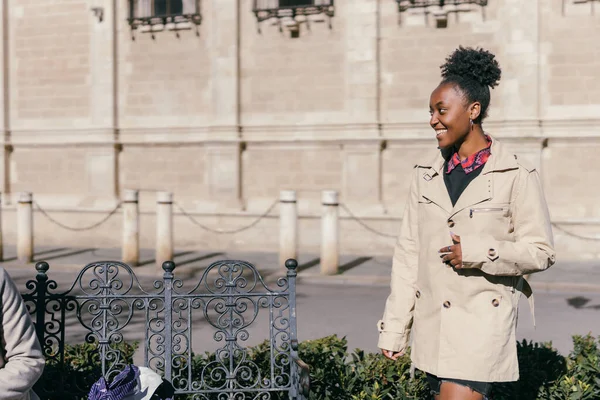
[227, 114]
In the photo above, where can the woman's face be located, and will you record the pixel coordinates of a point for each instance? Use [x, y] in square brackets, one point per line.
[449, 115]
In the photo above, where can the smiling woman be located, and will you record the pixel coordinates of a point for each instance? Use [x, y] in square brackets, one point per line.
[476, 222]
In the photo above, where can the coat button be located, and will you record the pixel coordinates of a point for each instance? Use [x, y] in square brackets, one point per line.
[447, 304]
[495, 303]
[492, 252]
[451, 223]
[418, 294]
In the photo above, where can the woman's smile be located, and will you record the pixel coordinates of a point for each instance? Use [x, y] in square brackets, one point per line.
[439, 132]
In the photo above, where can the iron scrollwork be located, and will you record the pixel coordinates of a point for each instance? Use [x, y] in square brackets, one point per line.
[230, 295]
[404, 5]
[149, 13]
[291, 9]
[107, 300]
[425, 5]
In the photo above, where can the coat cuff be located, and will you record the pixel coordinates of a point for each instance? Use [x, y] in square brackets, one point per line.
[392, 340]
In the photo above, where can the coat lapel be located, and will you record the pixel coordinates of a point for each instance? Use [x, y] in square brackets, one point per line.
[433, 187]
[479, 190]
[482, 187]
[434, 190]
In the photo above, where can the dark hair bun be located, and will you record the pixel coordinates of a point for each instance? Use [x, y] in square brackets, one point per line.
[477, 64]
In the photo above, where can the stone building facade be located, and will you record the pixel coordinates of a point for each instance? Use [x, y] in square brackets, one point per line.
[225, 111]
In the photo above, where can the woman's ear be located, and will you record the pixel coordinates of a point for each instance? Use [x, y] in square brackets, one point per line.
[475, 110]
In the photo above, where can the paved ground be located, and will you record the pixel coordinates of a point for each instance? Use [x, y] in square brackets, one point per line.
[349, 304]
[578, 276]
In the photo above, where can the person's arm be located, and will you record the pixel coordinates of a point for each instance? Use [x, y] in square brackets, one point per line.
[22, 353]
[533, 247]
[394, 327]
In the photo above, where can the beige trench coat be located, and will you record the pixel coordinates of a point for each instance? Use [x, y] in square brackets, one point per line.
[463, 321]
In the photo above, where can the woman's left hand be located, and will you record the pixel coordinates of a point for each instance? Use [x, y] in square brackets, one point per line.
[452, 255]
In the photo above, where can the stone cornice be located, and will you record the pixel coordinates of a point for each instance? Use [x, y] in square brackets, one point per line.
[323, 134]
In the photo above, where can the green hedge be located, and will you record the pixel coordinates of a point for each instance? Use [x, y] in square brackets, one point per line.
[73, 378]
[545, 374]
[337, 374]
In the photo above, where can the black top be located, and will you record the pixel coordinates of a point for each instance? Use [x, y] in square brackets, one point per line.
[457, 181]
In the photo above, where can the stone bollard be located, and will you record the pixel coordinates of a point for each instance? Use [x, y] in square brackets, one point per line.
[25, 227]
[164, 228]
[288, 226]
[131, 228]
[330, 233]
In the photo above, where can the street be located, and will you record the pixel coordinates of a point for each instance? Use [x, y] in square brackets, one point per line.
[353, 310]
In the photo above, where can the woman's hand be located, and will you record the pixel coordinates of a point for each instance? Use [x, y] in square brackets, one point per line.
[452, 255]
[392, 355]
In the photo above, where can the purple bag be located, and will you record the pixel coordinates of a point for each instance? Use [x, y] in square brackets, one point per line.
[122, 386]
[133, 383]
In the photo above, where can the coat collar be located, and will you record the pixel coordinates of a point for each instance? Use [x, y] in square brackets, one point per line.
[500, 159]
[479, 190]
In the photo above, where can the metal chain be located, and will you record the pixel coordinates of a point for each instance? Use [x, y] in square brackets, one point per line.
[574, 234]
[367, 227]
[79, 229]
[220, 231]
[388, 235]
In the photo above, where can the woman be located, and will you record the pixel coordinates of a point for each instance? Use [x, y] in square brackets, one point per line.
[476, 221]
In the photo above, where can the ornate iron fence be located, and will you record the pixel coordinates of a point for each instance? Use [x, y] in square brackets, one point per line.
[106, 297]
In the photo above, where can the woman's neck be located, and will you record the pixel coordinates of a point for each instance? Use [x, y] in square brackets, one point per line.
[472, 143]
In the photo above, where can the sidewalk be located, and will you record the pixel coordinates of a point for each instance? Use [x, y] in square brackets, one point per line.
[576, 276]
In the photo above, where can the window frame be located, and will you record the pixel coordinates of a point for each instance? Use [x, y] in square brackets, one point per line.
[287, 11]
[150, 18]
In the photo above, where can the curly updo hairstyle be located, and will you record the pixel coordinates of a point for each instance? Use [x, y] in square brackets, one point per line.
[474, 72]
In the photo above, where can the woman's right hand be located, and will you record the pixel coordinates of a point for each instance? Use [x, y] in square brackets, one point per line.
[392, 355]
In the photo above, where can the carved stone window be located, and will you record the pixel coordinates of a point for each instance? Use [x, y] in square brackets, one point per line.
[440, 9]
[291, 12]
[164, 12]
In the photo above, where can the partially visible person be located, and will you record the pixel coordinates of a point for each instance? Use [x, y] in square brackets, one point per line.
[21, 358]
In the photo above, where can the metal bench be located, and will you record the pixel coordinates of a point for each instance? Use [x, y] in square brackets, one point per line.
[108, 301]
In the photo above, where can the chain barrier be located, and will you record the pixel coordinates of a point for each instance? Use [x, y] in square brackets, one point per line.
[255, 222]
[364, 225]
[78, 229]
[568, 233]
[220, 231]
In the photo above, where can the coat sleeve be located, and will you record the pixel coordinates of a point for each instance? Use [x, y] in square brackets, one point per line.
[394, 327]
[22, 353]
[533, 247]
